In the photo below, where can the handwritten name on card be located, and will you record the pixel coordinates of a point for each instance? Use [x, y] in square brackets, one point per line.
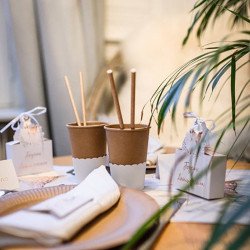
[8, 177]
[31, 159]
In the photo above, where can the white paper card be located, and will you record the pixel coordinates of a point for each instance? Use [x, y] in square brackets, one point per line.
[64, 204]
[30, 159]
[8, 177]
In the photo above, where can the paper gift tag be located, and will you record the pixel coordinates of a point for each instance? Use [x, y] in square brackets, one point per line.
[30, 152]
[8, 177]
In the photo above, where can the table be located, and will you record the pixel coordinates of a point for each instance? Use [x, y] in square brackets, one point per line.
[185, 236]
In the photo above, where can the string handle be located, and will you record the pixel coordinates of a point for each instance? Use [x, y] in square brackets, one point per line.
[199, 122]
[31, 114]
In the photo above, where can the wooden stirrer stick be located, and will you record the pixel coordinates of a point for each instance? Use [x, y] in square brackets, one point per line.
[132, 113]
[72, 100]
[83, 100]
[115, 97]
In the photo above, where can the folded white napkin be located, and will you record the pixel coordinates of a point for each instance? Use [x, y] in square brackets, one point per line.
[59, 218]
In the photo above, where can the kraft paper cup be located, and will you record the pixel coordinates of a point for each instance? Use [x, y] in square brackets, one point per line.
[88, 145]
[128, 153]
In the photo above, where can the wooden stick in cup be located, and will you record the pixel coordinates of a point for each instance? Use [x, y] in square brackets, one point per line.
[72, 100]
[83, 100]
[132, 112]
[115, 98]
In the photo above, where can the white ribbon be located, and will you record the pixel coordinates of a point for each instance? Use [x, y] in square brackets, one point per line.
[198, 128]
[31, 114]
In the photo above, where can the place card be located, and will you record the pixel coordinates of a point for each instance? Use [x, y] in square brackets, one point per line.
[8, 177]
[64, 204]
[30, 159]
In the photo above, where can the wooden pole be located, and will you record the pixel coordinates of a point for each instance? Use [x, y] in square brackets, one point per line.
[115, 98]
[83, 100]
[132, 113]
[72, 100]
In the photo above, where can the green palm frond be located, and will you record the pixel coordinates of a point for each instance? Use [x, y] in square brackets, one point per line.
[233, 73]
[205, 70]
[208, 11]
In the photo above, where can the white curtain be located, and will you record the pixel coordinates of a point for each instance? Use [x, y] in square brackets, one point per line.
[43, 41]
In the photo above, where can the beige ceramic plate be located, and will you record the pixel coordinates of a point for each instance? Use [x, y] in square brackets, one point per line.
[110, 229]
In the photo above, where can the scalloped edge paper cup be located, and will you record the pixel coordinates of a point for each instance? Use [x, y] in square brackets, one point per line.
[128, 153]
[88, 146]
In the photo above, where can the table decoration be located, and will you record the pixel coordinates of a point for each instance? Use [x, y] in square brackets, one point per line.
[195, 157]
[87, 139]
[30, 152]
[127, 143]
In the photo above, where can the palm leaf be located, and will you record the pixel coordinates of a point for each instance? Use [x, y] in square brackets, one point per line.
[172, 97]
[214, 58]
[190, 29]
[238, 136]
[229, 77]
[241, 154]
[219, 74]
[191, 87]
[240, 16]
[233, 73]
[240, 240]
[199, 70]
[148, 224]
[213, 9]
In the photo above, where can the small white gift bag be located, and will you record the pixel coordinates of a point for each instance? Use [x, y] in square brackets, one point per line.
[195, 161]
[30, 152]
